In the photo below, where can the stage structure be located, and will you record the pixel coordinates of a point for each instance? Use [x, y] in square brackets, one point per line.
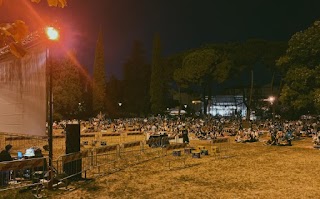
[23, 90]
[227, 105]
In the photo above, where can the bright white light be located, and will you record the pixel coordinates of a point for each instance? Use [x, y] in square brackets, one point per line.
[271, 99]
[52, 33]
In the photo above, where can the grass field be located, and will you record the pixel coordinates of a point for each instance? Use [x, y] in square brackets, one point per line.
[249, 170]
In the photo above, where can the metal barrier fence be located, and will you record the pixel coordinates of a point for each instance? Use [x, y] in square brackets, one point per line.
[87, 140]
[177, 157]
[104, 158]
[130, 152]
[90, 162]
[23, 173]
[73, 165]
[220, 146]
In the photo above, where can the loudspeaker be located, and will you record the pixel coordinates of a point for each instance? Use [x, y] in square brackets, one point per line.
[72, 138]
[73, 146]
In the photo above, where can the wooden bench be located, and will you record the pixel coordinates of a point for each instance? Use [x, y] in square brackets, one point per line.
[188, 150]
[204, 152]
[176, 152]
[196, 154]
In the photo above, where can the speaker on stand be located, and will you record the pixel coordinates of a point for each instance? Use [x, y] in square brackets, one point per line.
[73, 146]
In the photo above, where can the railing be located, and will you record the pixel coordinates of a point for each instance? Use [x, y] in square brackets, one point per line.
[22, 173]
[90, 162]
[73, 165]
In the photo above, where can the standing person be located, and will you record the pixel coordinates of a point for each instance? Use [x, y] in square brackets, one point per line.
[185, 134]
[5, 156]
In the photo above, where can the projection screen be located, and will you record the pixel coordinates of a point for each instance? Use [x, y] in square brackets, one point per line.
[23, 93]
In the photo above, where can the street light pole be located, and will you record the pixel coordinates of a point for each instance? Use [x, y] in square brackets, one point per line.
[52, 35]
[50, 121]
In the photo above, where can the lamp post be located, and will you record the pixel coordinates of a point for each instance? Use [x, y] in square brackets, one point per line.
[52, 35]
[271, 99]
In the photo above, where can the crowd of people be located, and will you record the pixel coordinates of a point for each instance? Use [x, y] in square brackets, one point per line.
[279, 132]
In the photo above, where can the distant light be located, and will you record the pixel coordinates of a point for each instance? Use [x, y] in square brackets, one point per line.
[120, 104]
[52, 33]
[196, 102]
[271, 99]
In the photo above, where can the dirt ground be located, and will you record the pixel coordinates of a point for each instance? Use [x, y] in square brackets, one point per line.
[246, 170]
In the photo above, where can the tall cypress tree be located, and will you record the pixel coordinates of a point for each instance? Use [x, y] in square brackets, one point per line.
[99, 78]
[157, 78]
[137, 81]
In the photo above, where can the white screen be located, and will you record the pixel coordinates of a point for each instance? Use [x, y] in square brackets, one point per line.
[23, 93]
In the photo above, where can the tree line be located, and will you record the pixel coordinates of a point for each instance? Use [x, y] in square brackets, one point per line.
[148, 88]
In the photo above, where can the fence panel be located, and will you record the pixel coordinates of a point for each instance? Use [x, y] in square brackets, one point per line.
[220, 146]
[177, 155]
[23, 173]
[105, 159]
[73, 165]
[130, 152]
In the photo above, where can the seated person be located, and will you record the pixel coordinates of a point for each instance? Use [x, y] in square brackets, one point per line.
[5, 156]
[316, 139]
[38, 154]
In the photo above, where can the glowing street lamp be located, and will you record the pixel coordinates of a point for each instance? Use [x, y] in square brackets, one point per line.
[52, 33]
[271, 99]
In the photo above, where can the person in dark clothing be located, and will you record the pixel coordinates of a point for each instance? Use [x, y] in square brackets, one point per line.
[185, 135]
[5, 156]
[38, 154]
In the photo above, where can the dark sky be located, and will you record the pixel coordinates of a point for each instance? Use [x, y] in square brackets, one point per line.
[182, 24]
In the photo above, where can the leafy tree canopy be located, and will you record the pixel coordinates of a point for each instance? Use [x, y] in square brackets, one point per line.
[302, 63]
[67, 89]
[201, 65]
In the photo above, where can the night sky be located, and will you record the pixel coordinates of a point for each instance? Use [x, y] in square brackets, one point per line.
[182, 24]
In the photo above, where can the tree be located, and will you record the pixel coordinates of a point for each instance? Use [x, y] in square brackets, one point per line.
[12, 34]
[137, 81]
[203, 67]
[67, 89]
[157, 78]
[115, 96]
[99, 78]
[249, 57]
[301, 62]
